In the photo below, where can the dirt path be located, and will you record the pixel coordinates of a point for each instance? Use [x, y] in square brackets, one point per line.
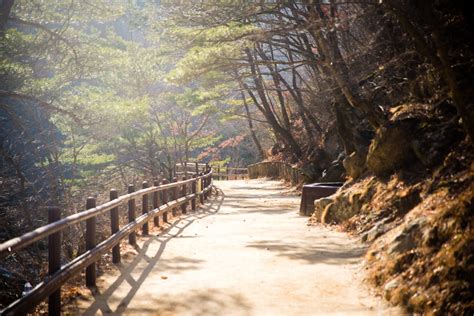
[248, 253]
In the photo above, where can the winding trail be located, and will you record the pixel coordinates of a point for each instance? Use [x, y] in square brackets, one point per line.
[246, 253]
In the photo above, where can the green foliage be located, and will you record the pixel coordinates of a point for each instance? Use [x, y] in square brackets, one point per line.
[119, 83]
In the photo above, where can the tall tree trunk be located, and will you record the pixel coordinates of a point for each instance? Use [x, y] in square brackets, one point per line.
[294, 91]
[252, 130]
[352, 135]
[281, 98]
[279, 131]
[336, 65]
[266, 109]
[5, 9]
[438, 57]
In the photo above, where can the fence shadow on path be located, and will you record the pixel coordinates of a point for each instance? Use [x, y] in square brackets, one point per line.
[325, 251]
[208, 301]
[128, 271]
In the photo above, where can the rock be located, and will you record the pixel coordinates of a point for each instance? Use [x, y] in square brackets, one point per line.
[355, 202]
[407, 238]
[334, 173]
[390, 287]
[418, 301]
[340, 207]
[390, 149]
[319, 206]
[329, 214]
[354, 164]
[378, 230]
[431, 237]
[407, 199]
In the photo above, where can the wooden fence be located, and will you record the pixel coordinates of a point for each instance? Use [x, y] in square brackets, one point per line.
[164, 196]
[275, 170]
[187, 168]
[220, 172]
[228, 173]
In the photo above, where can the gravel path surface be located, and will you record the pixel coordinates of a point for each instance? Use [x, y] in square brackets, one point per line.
[246, 253]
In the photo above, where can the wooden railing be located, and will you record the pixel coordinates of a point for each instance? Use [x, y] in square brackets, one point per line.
[165, 197]
[275, 170]
[228, 173]
[220, 172]
[187, 168]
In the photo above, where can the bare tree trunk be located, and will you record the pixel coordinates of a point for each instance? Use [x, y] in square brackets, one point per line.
[294, 91]
[281, 98]
[439, 60]
[266, 110]
[337, 66]
[252, 130]
[279, 131]
[5, 9]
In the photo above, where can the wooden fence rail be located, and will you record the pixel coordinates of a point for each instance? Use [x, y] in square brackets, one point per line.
[276, 170]
[165, 197]
[220, 172]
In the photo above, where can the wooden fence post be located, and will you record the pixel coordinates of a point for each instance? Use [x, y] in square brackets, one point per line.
[193, 191]
[201, 195]
[204, 185]
[227, 172]
[54, 261]
[209, 181]
[114, 226]
[164, 199]
[219, 173]
[132, 238]
[90, 242]
[156, 203]
[145, 205]
[174, 195]
[184, 192]
[197, 167]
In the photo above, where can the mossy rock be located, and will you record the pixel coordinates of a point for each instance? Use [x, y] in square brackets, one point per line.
[335, 173]
[354, 165]
[319, 206]
[341, 208]
[328, 214]
[391, 148]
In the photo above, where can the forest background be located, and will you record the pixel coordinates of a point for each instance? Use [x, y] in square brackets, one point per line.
[100, 94]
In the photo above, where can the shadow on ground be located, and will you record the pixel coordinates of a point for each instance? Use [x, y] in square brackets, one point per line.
[328, 252]
[259, 204]
[205, 302]
[133, 274]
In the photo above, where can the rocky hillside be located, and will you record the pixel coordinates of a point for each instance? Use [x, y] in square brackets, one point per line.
[412, 203]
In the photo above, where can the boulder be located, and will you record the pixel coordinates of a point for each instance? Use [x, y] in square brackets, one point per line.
[390, 287]
[354, 165]
[375, 232]
[329, 213]
[340, 207]
[409, 237]
[391, 148]
[319, 206]
[333, 173]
